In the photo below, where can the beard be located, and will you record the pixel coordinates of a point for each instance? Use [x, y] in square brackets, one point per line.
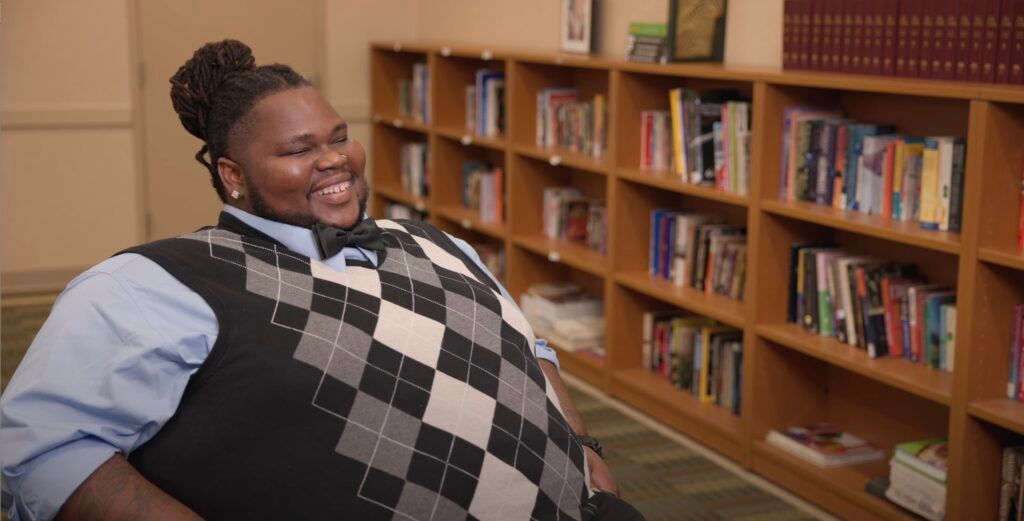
[298, 218]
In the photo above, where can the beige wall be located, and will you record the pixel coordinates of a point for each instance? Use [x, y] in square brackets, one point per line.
[69, 182]
[68, 151]
[753, 32]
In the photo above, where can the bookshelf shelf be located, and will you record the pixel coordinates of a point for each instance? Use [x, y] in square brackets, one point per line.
[398, 195]
[707, 422]
[586, 365]
[570, 253]
[469, 219]
[668, 181]
[790, 376]
[914, 378]
[1006, 413]
[725, 310]
[1007, 258]
[561, 157]
[864, 224]
[468, 138]
[401, 122]
[841, 489]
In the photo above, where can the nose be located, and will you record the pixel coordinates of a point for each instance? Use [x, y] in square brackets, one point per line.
[331, 159]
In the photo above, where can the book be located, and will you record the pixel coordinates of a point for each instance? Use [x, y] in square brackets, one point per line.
[928, 457]
[825, 445]
[1010, 483]
[646, 42]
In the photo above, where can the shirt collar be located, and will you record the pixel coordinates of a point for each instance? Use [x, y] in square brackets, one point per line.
[295, 238]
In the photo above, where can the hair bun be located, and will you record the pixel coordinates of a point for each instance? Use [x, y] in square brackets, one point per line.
[194, 85]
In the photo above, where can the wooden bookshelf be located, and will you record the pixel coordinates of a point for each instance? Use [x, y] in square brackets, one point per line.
[790, 376]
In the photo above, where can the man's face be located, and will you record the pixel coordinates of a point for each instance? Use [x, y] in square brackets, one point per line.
[300, 166]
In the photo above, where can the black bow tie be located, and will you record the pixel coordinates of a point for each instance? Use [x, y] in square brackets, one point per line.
[331, 240]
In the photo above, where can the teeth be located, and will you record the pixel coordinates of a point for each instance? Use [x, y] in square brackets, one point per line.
[334, 189]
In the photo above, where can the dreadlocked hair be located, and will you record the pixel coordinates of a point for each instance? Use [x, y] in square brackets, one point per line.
[216, 88]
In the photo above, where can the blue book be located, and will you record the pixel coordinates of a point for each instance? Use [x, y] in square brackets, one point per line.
[483, 77]
[933, 322]
[655, 256]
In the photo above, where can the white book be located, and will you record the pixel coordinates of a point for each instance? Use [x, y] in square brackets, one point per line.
[845, 312]
[945, 181]
[470, 108]
[487, 201]
[494, 87]
[915, 492]
[859, 453]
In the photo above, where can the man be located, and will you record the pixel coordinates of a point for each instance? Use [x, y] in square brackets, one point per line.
[295, 361]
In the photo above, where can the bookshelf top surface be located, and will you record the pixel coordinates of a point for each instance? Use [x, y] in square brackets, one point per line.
[717, 71]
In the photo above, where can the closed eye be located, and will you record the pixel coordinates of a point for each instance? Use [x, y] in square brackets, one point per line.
[296, 152]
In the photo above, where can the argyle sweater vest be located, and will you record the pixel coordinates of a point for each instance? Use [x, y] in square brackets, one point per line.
[404, 391]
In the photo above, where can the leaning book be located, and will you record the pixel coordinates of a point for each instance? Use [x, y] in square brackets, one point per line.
[825, 446]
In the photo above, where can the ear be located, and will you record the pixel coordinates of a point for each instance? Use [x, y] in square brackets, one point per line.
[232, 178]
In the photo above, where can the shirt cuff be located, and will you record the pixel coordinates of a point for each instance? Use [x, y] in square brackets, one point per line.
[50, 479]
[543, 352]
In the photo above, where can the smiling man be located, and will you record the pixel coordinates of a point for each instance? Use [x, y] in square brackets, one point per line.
[298, 360]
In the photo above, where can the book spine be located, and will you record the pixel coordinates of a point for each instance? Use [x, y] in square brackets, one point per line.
[1013, 372]
[965, 31]
[1016, 71]
[978, 13]
[846, 53]
[1004, 53]
[991, 48]
[857, 49]
[924, 58]
[956, 186]
[903, 38]
[949, 45]
[804, 40]
[938, 38]
[838, 8]
[915, 15]
[814, 62]
[787, 34]
[892, 12]
[827, 31]
[877, 35]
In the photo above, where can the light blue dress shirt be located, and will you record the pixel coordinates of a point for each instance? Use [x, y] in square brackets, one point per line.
[108, 369]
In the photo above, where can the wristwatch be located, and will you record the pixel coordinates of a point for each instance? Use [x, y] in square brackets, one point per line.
[594, 445]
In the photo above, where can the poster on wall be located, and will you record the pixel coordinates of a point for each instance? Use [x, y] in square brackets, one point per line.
[576, 27]
[696, 30]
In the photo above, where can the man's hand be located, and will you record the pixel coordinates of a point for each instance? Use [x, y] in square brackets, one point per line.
[600, 475]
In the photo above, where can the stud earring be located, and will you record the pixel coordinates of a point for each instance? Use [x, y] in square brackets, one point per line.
[235, 194]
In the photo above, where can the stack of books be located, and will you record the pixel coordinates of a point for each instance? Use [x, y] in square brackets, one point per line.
[827, 159]
[567, 315]
[565, 122]
[414, 96]
[698, 251]
[917, 477]
[415, 171]
[977, 41]
[883, 307]
[645, 42]
[569, 215]
[825, 445]
[1011, 493]
[483, 190]
[485, 104]
[709, 142]
[695, 354]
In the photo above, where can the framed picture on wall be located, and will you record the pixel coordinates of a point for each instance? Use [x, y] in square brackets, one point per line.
[696, 30]
[577, 25]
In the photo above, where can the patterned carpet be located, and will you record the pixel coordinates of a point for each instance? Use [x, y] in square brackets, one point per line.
[667, 481]
[663, 479]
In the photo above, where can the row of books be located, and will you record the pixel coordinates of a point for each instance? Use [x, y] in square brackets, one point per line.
[414, 165]
[698, 251]
[882, 307]
[564, 121]
[695, 354]
[1014, 384]
[485, 104]
[709, 139]
[962, 40]
[401, 211]
[828, 159]
[569, 215]
[565, 314]
[414, 95]
[483, 190]
[1011, 487]
[917, 477]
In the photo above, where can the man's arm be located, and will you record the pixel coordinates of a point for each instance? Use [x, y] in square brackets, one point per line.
[600, 474]
[116, 491]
